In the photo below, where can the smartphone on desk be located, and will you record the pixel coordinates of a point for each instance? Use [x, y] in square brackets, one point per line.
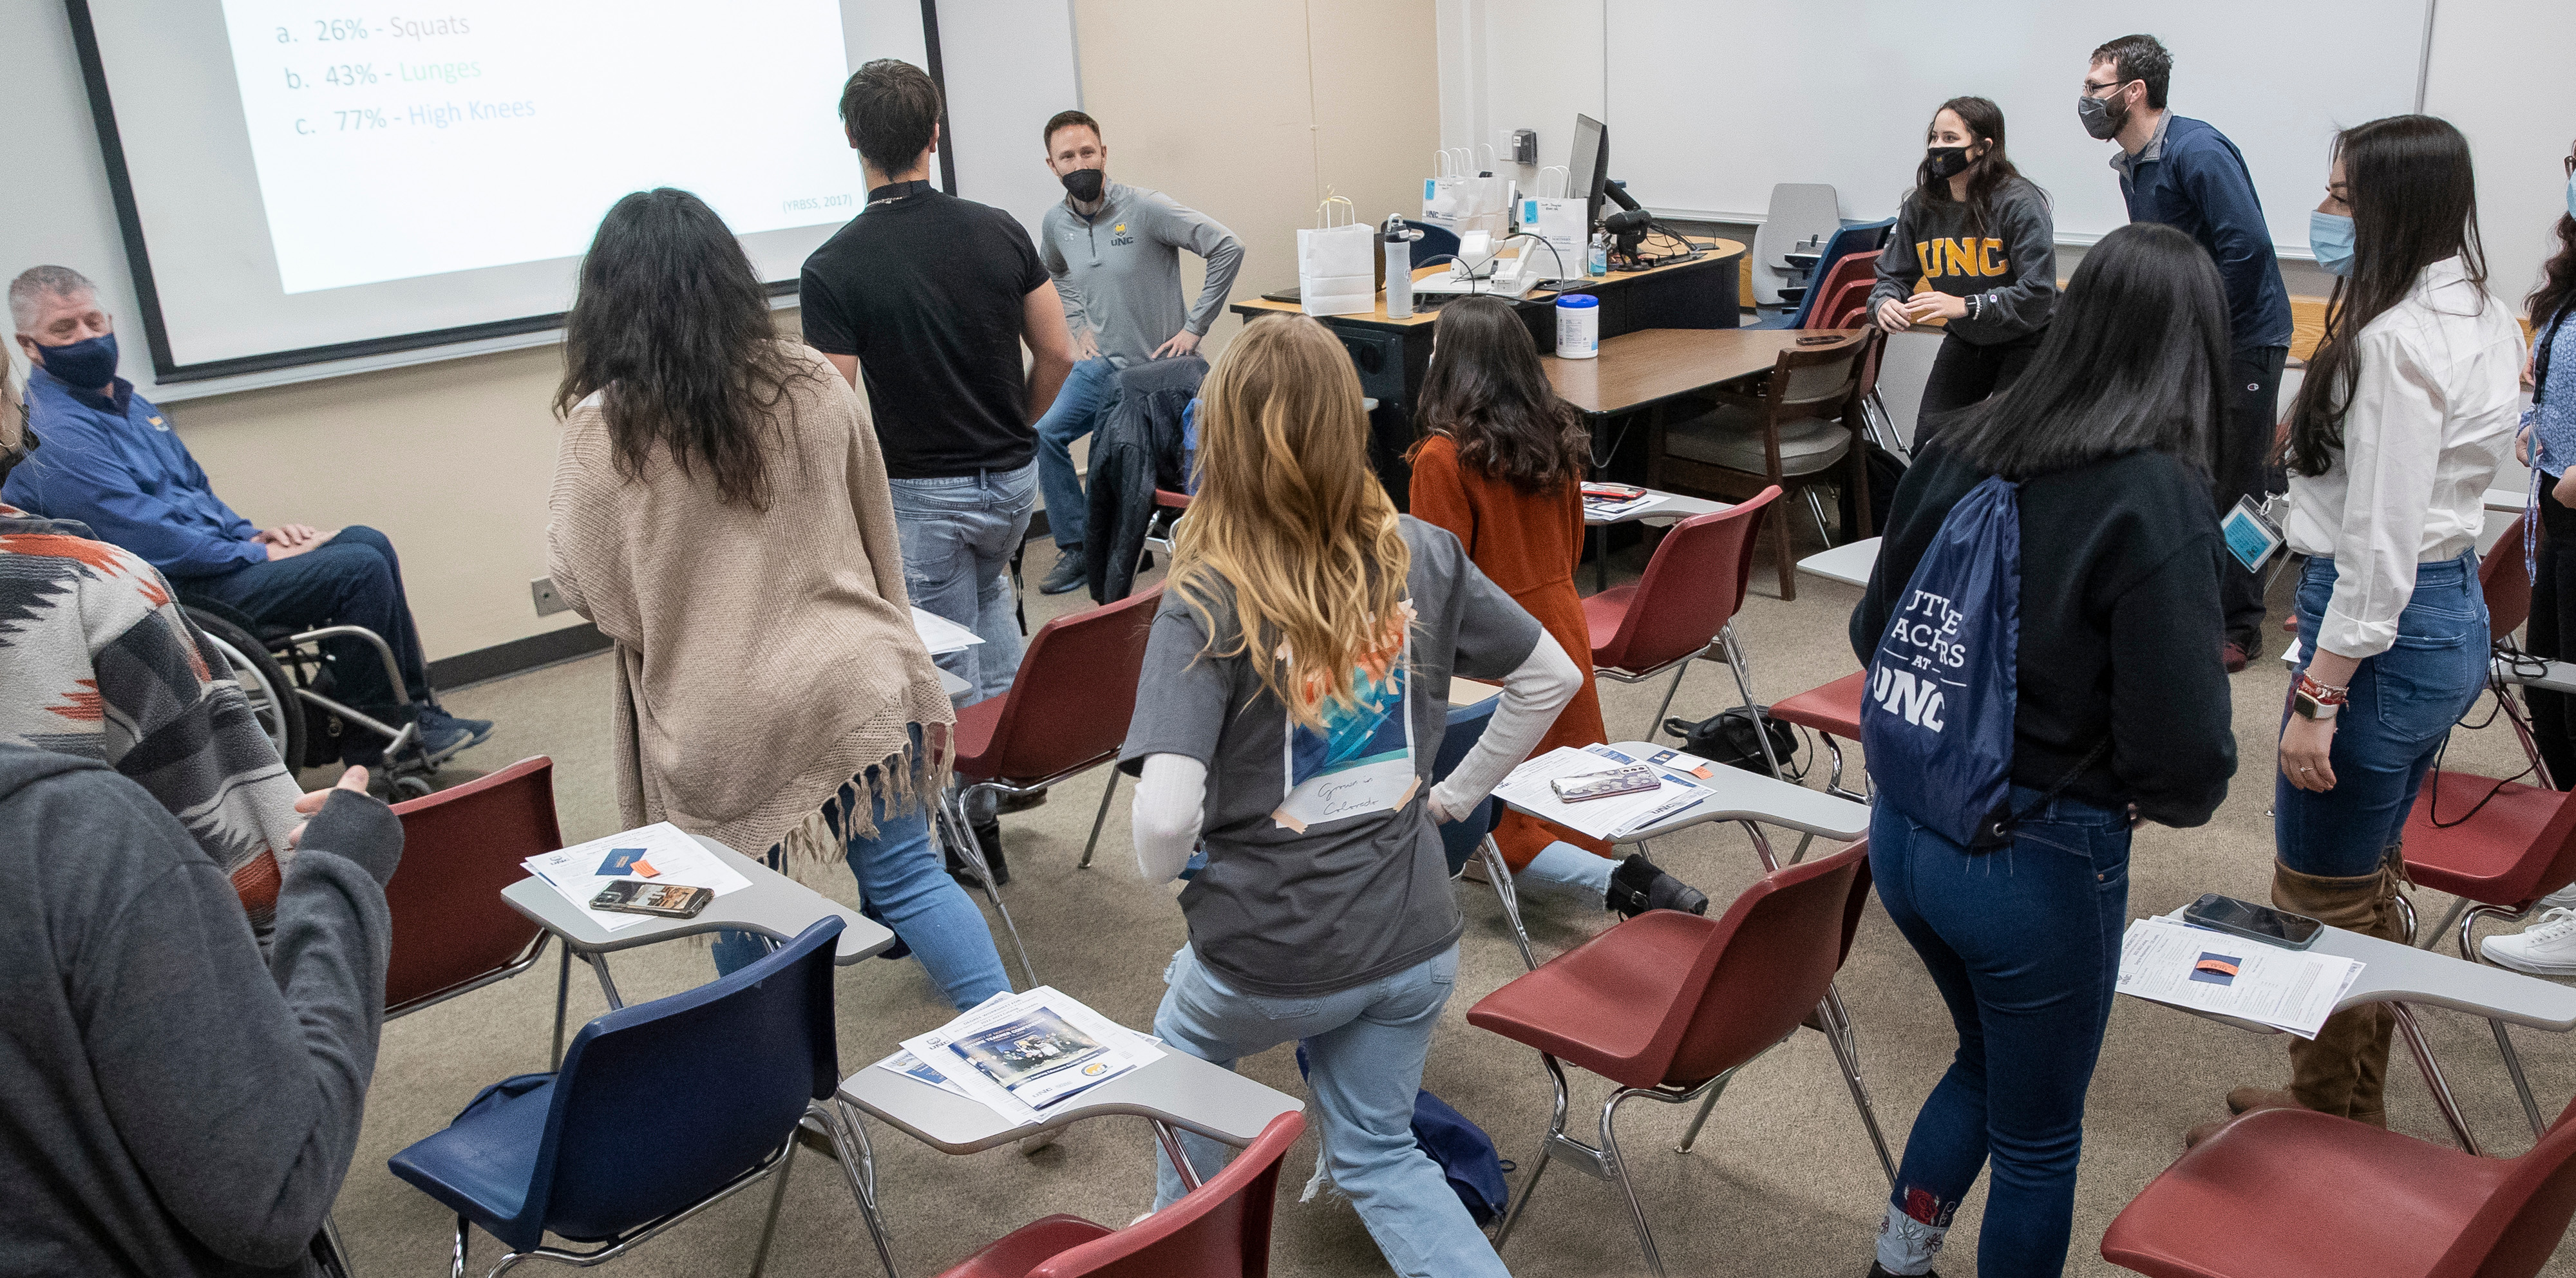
[2253, 922]
[662, 900]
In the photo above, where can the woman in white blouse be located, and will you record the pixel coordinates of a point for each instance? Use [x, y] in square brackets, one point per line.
[2408, 407]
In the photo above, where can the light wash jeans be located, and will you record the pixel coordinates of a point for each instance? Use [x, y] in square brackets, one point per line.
[958, 535]
[903, 880]
[1564, 872]
[1074, 414]
[1364, 1051]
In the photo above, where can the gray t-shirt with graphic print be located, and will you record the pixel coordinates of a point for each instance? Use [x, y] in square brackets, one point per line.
[1324, 868]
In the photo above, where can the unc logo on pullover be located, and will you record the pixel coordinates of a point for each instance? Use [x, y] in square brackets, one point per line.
[1962, 255]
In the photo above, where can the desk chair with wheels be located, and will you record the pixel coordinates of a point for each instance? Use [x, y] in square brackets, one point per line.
[1219, 1230]
[1066, 713]
[659, 1112]
[284, 671]
[1684, 605]
[1796, 434]
[1861, 240]
[1470, 838]
[1669, 1006]
[1798, 212]
[2289, 1193]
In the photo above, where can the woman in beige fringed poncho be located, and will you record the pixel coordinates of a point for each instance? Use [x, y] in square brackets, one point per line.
[720, 511]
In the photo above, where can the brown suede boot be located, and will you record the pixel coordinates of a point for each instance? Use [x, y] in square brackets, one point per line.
[2344, 1068]
[2368, 1103]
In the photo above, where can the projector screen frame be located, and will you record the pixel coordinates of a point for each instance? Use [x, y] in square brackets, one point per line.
[138, 256]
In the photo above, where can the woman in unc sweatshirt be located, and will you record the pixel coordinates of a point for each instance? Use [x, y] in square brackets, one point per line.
[1978, 233]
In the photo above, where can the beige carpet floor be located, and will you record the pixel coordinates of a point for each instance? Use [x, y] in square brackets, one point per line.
[1781, 1183]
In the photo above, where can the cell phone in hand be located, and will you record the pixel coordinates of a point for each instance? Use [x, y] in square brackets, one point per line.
[662, 900]
[2253, 922]
[1605, 785]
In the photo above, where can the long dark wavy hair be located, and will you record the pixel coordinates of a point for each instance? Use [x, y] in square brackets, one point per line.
[1985, 123]
[2135, 358]
[672, 328]
[2558, 279]
[2414, 202]
[1487, 392]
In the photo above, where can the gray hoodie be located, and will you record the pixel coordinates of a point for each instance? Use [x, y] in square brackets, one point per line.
[2011, 266]
[172, 1105]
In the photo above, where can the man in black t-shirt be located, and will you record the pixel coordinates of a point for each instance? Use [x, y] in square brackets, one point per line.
[923, 301]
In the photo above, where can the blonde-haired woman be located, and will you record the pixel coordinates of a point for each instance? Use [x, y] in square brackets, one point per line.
[1294, 693]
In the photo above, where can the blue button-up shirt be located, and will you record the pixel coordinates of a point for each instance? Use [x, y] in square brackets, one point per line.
[2191, 178]
[112, 462]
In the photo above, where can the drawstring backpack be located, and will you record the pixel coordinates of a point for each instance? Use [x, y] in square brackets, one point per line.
[1936, 719]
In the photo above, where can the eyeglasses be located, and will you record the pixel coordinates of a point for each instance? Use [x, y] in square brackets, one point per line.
[2091, 88]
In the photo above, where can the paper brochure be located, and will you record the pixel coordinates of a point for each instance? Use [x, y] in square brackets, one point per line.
[657, 853]
[2169, 961]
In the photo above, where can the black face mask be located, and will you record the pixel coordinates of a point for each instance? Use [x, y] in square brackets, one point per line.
[1945, 161]
[1085, 185]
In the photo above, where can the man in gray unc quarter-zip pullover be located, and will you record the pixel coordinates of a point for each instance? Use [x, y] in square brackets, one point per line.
[1114, 251]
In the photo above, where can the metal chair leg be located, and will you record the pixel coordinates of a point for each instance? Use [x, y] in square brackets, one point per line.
[1743, 670]
[777, 1195]
[599, 964]
[1761, 846]
[1846, 1054]
[973, 851]
[330, 1252]
[1099, 817]
[1618, 1168]
[2459, 906]
[2504, 1041]
[1555, 1133]
[1690, 1135]
[846, 1130]
[563, 986]
[2442, 1098]
[1501, 874]
[456, 1254]
[1816, 507]
[1669, 689]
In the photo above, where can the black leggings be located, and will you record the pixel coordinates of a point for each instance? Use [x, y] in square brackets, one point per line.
[2553, 630]
[1965, 373]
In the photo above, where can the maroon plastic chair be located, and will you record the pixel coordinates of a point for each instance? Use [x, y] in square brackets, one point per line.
[2511, 850]
[1830, 711]
[1682, 606]
[1163, 524]
[1066, 713]
[1220, 1230]
[2289, 1193]
[1832, 307]
[461, 846]
[1669, 1005]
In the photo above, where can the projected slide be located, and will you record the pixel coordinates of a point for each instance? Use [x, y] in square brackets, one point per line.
[392, 143]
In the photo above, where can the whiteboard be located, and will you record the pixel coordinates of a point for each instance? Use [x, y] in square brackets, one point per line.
[1710, 106]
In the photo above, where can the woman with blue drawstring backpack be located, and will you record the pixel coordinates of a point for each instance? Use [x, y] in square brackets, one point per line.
[2083, 681]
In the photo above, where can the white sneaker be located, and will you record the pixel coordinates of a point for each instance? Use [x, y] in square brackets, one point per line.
[2546, 948]
[2562, 899]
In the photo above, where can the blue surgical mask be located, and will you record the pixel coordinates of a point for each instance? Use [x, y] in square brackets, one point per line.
[2330, 234]
[88, 365]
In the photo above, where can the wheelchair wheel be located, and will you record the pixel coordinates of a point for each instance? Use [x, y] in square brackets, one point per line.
[272, 698]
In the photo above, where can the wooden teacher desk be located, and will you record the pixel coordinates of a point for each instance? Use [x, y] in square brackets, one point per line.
[1393, 354]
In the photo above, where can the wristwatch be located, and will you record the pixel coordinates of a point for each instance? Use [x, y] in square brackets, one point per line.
[1976, 304]
[2314, 700]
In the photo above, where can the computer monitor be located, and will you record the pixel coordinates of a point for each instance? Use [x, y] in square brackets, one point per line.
[1588, 168]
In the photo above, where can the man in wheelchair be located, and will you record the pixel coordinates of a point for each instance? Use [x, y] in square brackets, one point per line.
[108, 459]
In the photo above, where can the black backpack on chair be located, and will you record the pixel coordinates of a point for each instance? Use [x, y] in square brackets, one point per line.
[1727, 738]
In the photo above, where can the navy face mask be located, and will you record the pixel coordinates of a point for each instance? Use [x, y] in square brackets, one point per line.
[87, 365]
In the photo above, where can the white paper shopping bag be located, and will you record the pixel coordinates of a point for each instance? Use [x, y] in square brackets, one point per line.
[1440, 191]
[1558, 221]
[1477, 201]
[1337, 262]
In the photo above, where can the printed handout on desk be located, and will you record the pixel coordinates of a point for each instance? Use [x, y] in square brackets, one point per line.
[941, 635]
[1020, 1053]
[1612, 819]
[2169, 961]
[659, 853]
[1605, 509]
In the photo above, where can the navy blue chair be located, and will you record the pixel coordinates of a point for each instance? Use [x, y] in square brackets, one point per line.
[1471, 837]
[1436, 242]
[660, 1111]
[1860, 237]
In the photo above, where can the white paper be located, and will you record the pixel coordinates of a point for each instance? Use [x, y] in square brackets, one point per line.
[1605, 510]
[1613, 818]
[673, 855]
[2294, 990]
[941, 635]
[1127, 1051]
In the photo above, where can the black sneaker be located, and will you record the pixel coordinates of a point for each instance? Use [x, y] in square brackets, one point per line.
[1022, 801]
[1877, 1270]
[988, 835]
[1072, 569]
[1638, 886]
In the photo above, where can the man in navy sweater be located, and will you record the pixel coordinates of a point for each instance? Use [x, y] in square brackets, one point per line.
[2189, 176]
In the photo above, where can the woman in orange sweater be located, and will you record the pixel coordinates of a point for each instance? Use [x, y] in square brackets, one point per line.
[1501, 465]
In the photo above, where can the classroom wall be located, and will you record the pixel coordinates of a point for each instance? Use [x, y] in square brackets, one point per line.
[2497, 70]
[1246, 111]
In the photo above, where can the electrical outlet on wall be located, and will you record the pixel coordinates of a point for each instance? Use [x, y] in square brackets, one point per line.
[549, 600]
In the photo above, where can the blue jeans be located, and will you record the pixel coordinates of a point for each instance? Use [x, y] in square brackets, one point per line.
[2024, 944]
[354, 579]
[2403, 704]
[958, 536]
[1074, 414]
[902, 876]
[1364, 1052]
